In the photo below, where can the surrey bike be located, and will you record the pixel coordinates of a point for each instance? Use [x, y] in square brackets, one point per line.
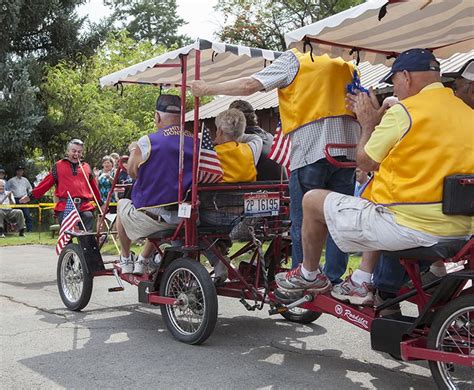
[442, 333]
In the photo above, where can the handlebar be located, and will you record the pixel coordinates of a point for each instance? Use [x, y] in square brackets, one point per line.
[336, 163]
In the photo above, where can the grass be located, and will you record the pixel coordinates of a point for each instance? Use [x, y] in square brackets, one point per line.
[35, 238]
[44, 238]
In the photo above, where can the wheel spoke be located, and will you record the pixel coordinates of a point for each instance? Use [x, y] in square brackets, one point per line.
[72, 276]
[455, 336]
[187, 316]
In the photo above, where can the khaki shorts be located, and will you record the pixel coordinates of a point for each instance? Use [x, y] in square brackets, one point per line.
[357, 225]
[136, 223]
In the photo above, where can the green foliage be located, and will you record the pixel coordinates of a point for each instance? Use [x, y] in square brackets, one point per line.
[19, 111]
[104, 119]
[263, 23]
[50, 30]
[153, 20]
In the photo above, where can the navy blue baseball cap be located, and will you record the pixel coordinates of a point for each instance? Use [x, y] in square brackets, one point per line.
[413, 60]
[168, 103]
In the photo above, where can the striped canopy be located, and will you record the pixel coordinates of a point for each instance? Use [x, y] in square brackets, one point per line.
[443, 26]
[219, 62]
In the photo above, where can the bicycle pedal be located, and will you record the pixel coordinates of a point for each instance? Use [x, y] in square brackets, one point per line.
[116, 289]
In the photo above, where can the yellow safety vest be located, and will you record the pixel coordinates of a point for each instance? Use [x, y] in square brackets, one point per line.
[439, 143]
[318, 91]
[237, 162]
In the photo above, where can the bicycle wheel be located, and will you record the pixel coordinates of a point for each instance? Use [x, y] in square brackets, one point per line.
[73, 279]
[452, 330]
[194, 318]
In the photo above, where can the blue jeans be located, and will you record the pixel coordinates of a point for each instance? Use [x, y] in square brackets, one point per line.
[319, 175]
[27, 215]
[389, 275]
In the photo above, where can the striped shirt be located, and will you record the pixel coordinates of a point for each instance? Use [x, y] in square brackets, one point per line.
[308, 142]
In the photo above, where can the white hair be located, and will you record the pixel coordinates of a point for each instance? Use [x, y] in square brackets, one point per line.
[232, 123]
[3, 182]
[75, 142]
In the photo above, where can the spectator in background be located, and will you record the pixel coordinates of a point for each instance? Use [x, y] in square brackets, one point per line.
[116, 158]
[124, 178]
[3, 176]
[464, 83]
[106, 178]
[9, 215]
[21, 186]
[266, 169]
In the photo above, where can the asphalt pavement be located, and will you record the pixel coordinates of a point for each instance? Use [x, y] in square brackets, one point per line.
[115, 342]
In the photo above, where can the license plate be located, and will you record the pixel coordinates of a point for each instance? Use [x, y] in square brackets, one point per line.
[261, 204]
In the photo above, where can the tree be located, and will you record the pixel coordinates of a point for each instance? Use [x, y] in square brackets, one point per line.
[19, 113]
[50, 30]
[263, 23]
[103, 118]
[154, 20]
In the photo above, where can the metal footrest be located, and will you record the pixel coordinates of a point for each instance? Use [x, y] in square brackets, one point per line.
[119, 282]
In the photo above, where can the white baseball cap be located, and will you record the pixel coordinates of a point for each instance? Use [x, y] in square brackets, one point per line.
[469, 71]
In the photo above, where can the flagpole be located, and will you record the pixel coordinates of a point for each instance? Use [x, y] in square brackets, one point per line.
[97, 203]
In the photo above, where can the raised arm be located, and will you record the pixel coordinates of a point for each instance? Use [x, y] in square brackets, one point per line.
[239, 87]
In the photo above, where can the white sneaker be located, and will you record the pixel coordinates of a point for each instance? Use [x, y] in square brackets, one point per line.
[154, 263]
[127, 265]
[141, 266]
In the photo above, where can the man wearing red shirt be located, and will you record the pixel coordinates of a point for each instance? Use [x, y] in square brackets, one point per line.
[73, 176]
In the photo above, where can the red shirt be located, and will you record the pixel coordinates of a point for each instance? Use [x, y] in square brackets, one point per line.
[72, 178]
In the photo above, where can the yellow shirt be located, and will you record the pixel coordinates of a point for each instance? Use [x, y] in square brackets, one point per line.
[427, 218]
[237, 162]
[318, 91]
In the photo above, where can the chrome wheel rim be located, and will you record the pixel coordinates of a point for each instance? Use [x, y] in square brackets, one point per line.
[188, 314]
[72, 277]
[457, 335]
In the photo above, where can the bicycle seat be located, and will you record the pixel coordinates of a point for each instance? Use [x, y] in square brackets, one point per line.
[440, 251]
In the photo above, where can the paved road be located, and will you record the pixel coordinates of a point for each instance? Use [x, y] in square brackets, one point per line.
[117, 343]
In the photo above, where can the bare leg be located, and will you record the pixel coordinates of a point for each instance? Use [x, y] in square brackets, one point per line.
[125, 242]
[369, 261]
[148, 249]
[314, 232]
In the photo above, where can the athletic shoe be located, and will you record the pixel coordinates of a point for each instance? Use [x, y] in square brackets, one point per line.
[389, 311]
[292, 282]
[22, 233]
[127, 265]
[140, 266]
[352, 292]
[426, 278]
[2, 235]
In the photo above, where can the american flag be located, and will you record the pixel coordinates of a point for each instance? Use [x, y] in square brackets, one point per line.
[210, 169]
[70, 219]
[281, 146]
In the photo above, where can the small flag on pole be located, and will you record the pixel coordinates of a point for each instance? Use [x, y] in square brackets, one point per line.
[281, 146]
[70, 219]
[210, 169]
